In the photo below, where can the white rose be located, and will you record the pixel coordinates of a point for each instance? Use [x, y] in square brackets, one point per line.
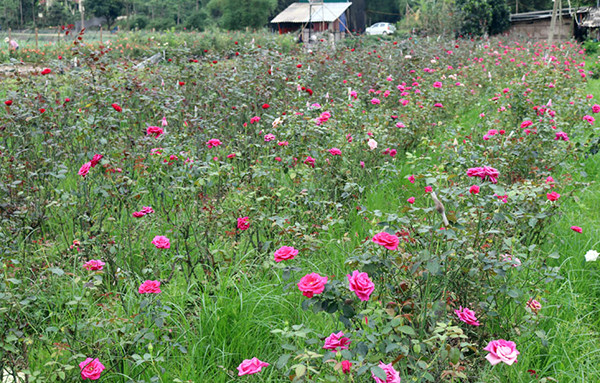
[591, 256]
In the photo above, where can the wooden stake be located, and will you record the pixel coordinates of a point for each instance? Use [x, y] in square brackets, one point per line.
[36, 39]
[101, 34]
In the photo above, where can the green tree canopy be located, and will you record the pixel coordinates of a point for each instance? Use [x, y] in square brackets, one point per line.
[235, 14]
[109, 9]
[483, 16]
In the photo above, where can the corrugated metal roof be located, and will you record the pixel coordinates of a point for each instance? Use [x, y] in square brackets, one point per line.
[321, 12]
[592, 20]
[538, 15]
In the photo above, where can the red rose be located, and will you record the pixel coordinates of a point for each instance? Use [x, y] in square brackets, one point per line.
[117, 107]
[46, 71]
[266, 106]
[8, 102]
[42, 110]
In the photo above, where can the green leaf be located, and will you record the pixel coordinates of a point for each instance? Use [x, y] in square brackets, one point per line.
[362, 349]
[433, 267]
[396, 322]
[379, 372]
[282, 361]
[391, 347]
[407, 330]
[300, 370]
[57, 271]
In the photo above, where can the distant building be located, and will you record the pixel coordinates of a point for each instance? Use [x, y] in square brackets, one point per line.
[570, 23]
[314, 18]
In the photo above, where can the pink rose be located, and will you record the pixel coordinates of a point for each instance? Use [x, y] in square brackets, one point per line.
[428, 189]
[251, 366]
[589, 119]
[91, 369]
[474, 189]
[534, 305]
[346, 366]
[526, 124]
[285, 253]
[467, 316]
[596, 108]
[155, 131]
[392, 376]
[150, 287]
[333, 341]
[501, 351]
[335, 152]
[243, 223]
[375, 101]
[483, 173]
[577, 229]
[516, 262]
[411, 179]
[312, 284]
[553, 196]
[93, 265]
[372, 144]
[147, 210]
[96, 159]
[389, 241]
[161, 242]
[269, 137]
[561, 136]
[361, 284]
[411, 200]
[84, 170]
[213, 142]
[138, 214]
[310, 161]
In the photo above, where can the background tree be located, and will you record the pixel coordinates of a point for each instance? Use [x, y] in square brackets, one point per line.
[58, 14]
[241, 14]
[109, 9]
[483, 16]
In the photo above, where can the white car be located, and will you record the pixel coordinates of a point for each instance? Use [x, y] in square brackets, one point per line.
[381, 29]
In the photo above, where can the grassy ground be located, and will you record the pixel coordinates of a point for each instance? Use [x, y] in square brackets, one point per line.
[566, 346]
[247, 307]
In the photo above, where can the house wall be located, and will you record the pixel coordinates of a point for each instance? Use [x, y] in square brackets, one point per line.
[538, 30]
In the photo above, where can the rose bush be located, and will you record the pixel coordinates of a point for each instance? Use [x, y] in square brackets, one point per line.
[251, 162]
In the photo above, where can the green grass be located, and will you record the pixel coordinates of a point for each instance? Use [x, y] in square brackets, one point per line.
[570, 317]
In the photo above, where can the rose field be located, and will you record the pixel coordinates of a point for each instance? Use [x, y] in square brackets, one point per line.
[246, 209]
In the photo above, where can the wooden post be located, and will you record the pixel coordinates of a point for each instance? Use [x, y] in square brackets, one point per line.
[58, 36]
[553, 22]
[82, 11]
[100, 34]
[36, 39]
